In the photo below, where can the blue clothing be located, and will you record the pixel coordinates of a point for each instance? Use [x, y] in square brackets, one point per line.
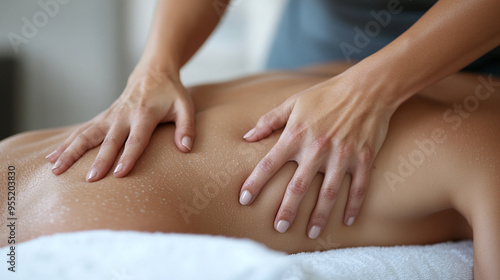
[316, 31]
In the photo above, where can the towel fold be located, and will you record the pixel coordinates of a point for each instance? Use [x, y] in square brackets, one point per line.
[127, 255]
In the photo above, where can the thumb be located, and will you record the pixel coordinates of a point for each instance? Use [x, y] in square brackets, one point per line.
[185, 130]
[272, 120]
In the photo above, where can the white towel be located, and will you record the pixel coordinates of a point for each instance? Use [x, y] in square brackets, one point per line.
[126, 255]
[450, 260]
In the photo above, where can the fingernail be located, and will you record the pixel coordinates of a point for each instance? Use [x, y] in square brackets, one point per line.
[282, 226]
[250, 133]
[51, 154]
[350, 221]
[118, 168]
[186, 142]
[245, 198]
[91, 174]
[314, 232]
[56, 165]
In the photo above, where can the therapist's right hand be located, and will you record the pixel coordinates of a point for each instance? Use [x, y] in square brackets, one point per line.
[150, 98]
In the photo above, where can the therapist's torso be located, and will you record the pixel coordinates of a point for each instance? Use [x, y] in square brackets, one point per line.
[315, 31]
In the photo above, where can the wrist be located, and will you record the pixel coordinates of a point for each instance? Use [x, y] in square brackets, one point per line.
[152, 66]
[379, 82]
[159, 62]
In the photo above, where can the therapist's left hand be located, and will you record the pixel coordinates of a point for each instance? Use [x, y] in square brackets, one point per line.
[335, 127]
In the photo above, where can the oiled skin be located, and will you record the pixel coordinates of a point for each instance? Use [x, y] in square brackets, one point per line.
[170, 191]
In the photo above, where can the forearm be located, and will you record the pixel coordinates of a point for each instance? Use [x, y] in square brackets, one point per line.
[178, 31]
[448, 37]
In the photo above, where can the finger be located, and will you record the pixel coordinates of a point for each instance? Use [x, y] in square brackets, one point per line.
[53, 156]
[185, 127]
[359, 184]
[107, 153]
[328, 194]
[264, 170]
[137, 141]
[272, 120]
[83, 142]
[294, 194]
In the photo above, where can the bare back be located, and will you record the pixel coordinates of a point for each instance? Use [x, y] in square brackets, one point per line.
[429, 154]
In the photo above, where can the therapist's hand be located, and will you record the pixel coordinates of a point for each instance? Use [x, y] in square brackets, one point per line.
[335, 127]
[150, 98]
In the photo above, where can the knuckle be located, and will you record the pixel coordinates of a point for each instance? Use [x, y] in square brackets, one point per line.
[287, 214]
[143, 106]
[99, 162]
[266, 165]
[134, 139]
[320, 145]
[344, 150]
[83, 138]
[267, 119]
[110, 141]
[358, 193]
[186, 126]
[329, 194]
[366, 155]
[319, 219]
[122, 111]
[354, 209]
[127, 159]
[296, 134]
[298, 186]
[82, 145]
[67, 158]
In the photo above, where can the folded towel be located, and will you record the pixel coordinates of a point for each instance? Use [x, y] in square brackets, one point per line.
[127, 255]
[450, 260]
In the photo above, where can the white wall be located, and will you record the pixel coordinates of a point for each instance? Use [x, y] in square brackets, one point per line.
[78, 62]
[238, 46]
[69, 68]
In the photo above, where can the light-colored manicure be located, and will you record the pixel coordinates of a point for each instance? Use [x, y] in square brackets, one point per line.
[245, 197]
[91, 174]
[186, 142]
[56, 165]
[118, 168]
[314, 232]
[350, 221]
[282, 226]
[250, 133]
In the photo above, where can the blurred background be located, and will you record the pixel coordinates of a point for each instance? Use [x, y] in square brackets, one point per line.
[65, 65]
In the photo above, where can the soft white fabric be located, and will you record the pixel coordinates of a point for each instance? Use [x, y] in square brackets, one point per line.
[126, 255]
[450, 260]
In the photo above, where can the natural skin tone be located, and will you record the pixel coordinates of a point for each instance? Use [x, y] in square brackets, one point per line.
[336, 127]
[451, 193]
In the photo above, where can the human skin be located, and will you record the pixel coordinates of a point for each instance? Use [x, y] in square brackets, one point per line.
[445, 39]
[340, 124]
[154, 94]
[453, 192]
